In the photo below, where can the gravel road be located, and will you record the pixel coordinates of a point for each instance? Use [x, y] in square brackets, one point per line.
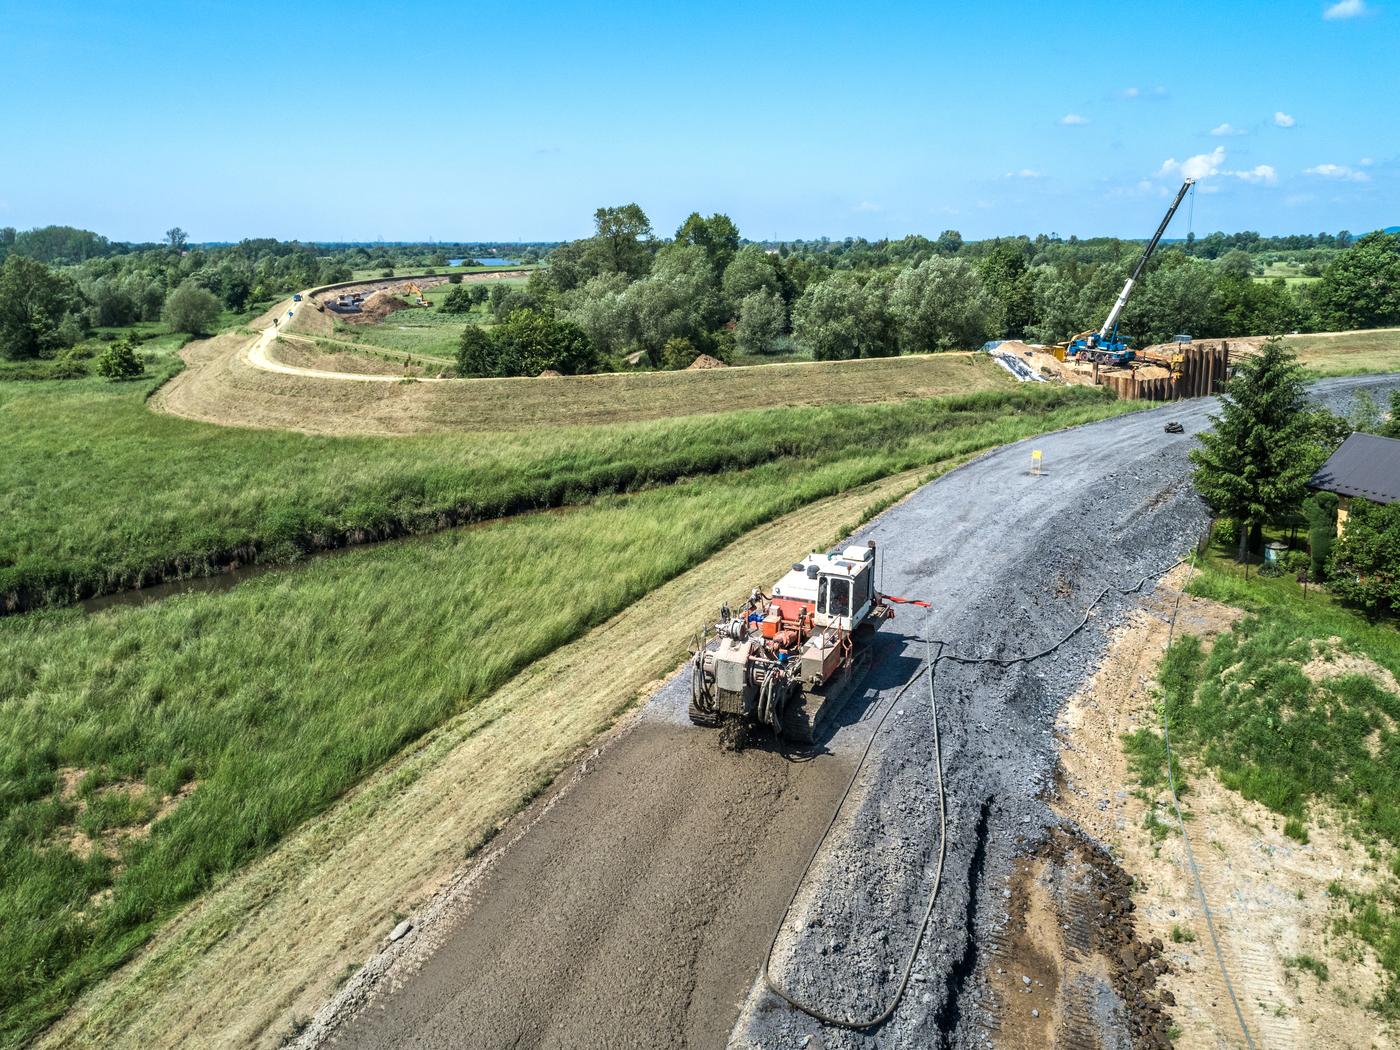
[637, 908]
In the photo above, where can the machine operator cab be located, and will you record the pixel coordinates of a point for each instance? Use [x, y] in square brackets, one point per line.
[840, 586]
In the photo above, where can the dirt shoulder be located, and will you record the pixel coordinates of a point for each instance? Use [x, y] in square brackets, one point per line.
[1267, 892]
[254, 960]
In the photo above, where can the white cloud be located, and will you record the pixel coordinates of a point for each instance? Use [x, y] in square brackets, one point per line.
[867, 206]
[1339, 172]
[1228, 129]
[1024, 173]
[1260, 174]
[1131, 92]
[1366, 162]
[1283, 120]
[1345, 9]
[1201, 166]
[1071, 120]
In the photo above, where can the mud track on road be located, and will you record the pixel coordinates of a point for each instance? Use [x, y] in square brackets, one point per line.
[636, 911]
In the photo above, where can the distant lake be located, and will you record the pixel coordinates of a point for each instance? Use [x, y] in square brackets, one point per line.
[489, 260]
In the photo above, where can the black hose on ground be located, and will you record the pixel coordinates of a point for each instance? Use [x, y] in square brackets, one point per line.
[930, 665]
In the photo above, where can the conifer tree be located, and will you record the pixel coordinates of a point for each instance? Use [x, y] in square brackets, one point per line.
[1253, 465]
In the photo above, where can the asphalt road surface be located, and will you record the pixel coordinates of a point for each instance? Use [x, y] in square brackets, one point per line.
[638, 908]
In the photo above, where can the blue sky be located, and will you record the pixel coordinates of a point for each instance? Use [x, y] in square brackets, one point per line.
[484, 121]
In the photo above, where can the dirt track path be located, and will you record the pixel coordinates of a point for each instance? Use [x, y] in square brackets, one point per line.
[637, 911]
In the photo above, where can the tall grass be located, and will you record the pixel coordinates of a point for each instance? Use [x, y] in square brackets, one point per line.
[100, 494]
[267, 702]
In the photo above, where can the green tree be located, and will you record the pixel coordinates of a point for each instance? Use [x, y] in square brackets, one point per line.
[1177, 297]
[457, 301]
[752, 270]
[1391, 427]
[176, 238]
[1005, 272]
[717, 235]
[761, 319]
[1361, 287]
[38, 307]
[1365, 568]
[600, 309]
[678, 298]
[119, 360]
[622, 239]
[942, 304]
[1253, 465]
[191, 309]
[476, 354]
[949, 242]
[1236, 263]
[1320, 510]
[528, 342]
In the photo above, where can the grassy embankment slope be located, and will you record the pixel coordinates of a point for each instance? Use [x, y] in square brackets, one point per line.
[1348, 353]
[103, 494]
[1298, 709]
[150, 753]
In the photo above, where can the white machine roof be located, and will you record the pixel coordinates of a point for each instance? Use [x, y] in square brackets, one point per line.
[796, 584]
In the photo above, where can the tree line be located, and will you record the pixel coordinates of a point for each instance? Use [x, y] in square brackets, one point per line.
[663, 301]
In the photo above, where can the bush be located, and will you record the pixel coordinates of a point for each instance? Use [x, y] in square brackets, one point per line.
[525, 344]
[1321, 512]
[119, 361]
[192, 309]
[1227, 533]
[454, 278]
[457, 301]
[679, 352]
[1365, 564]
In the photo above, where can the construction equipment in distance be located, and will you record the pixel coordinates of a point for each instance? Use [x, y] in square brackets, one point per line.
[1104, 347]
[413, 289]
[788, 661]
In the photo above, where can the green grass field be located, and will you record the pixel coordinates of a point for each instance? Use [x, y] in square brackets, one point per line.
[1352, 353]
[230, 718]
[1294, 742]
[102, 494]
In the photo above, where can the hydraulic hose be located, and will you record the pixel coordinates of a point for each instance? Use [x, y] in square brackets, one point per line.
[930, 665]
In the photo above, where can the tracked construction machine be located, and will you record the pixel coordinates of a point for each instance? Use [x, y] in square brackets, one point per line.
[788, 660]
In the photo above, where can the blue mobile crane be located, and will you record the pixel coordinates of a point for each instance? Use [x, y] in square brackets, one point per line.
[1104, 347]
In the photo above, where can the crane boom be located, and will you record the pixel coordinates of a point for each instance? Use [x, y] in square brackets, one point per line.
[1106, 333]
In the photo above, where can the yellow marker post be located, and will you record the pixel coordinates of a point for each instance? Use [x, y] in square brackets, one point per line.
[1035, 462]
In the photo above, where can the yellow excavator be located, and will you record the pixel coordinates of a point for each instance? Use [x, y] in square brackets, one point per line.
[413, 289]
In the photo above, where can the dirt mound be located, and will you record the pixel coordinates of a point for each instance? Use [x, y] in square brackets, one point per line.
[377, 307]
[550, 373]
[706, 361]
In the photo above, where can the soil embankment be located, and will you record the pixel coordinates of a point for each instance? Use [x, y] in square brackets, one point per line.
[1268, 893]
